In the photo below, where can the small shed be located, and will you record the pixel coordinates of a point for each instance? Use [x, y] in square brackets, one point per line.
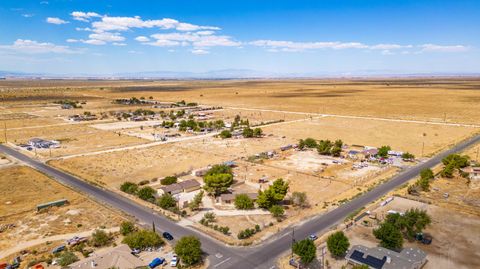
[50, 204]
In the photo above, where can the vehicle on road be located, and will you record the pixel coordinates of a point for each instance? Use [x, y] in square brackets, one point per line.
[167, 236]
[312, 237]
[156, 262]
[58, 249]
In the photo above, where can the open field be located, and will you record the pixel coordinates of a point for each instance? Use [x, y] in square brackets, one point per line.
[23, 188]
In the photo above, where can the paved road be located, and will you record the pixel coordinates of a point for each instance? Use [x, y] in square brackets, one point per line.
[221, 256]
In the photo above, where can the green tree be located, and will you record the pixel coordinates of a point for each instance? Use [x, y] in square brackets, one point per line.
[412, 222]
[257, 132]
[146, 193]
[324, 147]
[427, 173]
[448, 170]
[225, 134]
[389, 235]
[127, 227]
[67, 258]
[273, 195]
[143, 239]
[218, 183]
[280, 187]
[219, 169]
[166, 201]
[306, 250]
[383, 151]
[242, 201]
[100, 238]
[310, 142]
[189, 250]
[338, 244]
[196, 202]
[336, 151]
[277, 211]
[129, 187]
[168, 180]
[247, 132]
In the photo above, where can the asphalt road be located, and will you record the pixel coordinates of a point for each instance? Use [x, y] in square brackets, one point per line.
[220, 255]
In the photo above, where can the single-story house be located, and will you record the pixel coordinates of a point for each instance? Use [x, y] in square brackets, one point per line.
[382, 258]
[370, 152]
[473, 172]
[119, 257]
[190, 185]
[171, 189]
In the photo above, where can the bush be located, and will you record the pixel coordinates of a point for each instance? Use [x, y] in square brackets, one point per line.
[189, 250]
[100, 238]
[143, 182]
[242, 201]
[338, 244]
[129, 187]
[225, 134]
[277, 211]
[408, 156]
[307, 143]
[127, 227]
[168, 180]
[166, 201]
[143, 239]
[306, 250]
[146, 193]
[299, 199]
[67, 258]
[383, 151]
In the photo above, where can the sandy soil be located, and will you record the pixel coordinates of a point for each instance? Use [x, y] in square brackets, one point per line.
[18, 207]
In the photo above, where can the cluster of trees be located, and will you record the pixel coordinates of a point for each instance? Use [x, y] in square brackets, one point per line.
[423, 183]
[383, 151]
[337, 244]
[249, 132]
[74, 104]
[145, 193]
[452, 163]
[218, 179]
[395, 227]
[143, 112]
[324, 147]
[306, 250]
[183, 103]
[209, 220]
[248, 232]
[406, 156]
[238, 121]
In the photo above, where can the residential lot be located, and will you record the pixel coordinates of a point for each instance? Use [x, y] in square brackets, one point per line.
[24, 188]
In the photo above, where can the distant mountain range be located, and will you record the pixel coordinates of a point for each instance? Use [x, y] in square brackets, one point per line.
[229, 74]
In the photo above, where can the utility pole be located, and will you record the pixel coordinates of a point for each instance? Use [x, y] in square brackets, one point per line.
[5, 131]
[153, 226]
[423, 147]
[293, 240]
[476, 159]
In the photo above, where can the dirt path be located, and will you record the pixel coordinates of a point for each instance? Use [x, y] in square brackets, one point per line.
[24, 245]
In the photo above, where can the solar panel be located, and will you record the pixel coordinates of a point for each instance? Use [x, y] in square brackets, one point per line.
[369, 260]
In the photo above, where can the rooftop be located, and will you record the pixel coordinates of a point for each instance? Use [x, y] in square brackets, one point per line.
[382, 258]
[119, 257]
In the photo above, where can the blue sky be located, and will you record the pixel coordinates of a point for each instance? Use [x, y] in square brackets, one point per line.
[331, 37]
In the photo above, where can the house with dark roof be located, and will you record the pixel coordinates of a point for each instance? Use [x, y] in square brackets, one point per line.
[190, 185]
[382, 258]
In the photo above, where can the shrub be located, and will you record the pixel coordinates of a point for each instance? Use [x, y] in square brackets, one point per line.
[67, 258]
[127, 227]
[277, 211]
[129, 187]
[146, 193]
[168, 180]
[225, 134]
[242, 201]
[166, 201]
[306, 250]
[100, 238]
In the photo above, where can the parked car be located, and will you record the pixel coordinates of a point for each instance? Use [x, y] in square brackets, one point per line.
[156, 262]
[135, 251]
[312, 237]
[168, 236]
[58, 249]
[174, 261]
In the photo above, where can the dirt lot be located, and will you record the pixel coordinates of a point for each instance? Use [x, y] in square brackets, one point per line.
[401, 136]
[23, 188]
[135, 165]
